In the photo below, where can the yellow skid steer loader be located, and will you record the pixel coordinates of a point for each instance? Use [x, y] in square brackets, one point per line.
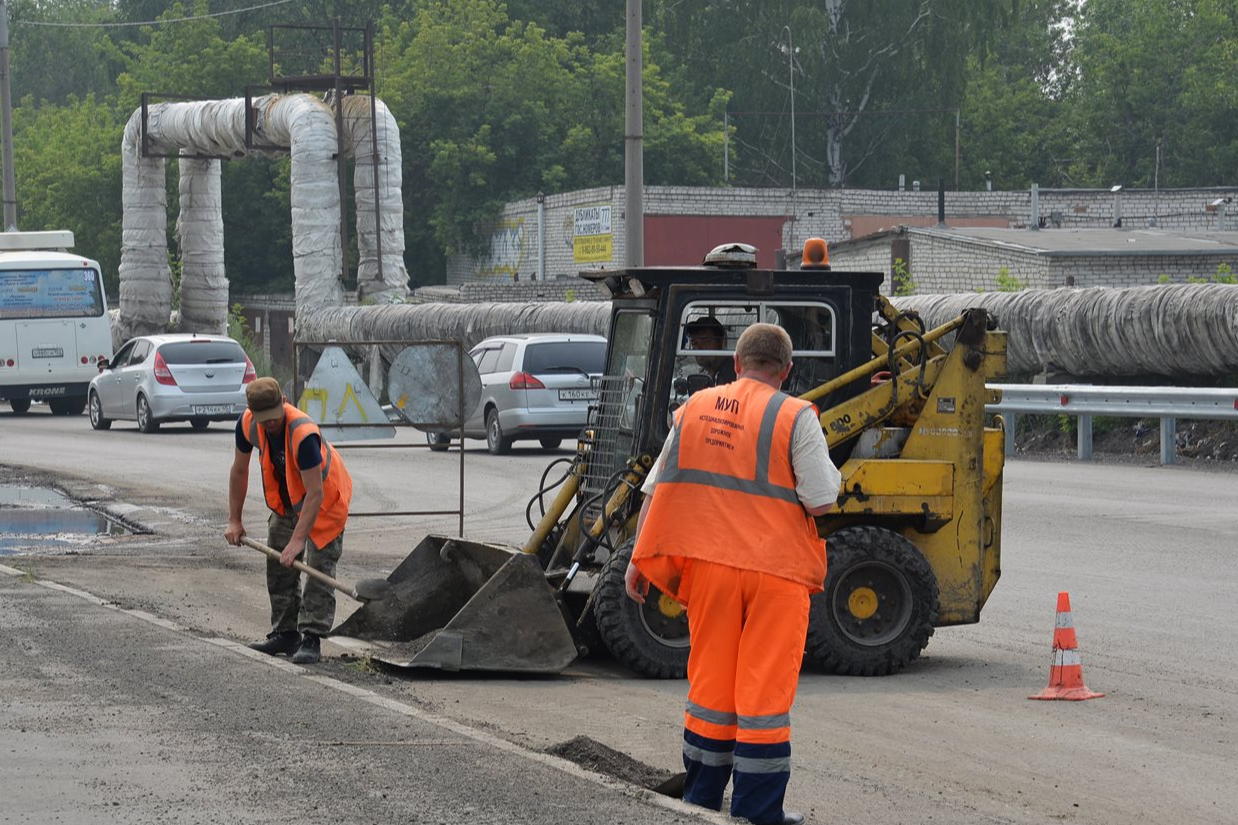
[914, 543]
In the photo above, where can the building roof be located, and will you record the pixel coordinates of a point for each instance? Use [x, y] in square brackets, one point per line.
[1053, 242]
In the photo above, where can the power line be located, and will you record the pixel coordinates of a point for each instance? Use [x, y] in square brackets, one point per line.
[148, 22]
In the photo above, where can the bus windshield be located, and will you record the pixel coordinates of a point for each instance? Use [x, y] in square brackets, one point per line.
[50, 293]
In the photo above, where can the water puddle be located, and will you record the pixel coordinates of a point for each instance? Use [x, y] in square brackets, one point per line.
[36, 519]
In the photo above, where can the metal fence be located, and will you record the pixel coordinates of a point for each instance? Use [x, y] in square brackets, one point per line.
[1167, 404]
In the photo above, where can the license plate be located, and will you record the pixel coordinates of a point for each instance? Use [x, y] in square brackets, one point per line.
[212, 409]
[47, 352]
[577, 395]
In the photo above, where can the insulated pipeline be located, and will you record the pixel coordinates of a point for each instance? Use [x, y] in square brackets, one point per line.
[1169, 330]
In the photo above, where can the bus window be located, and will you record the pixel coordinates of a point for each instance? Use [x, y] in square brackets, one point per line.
[50, 293]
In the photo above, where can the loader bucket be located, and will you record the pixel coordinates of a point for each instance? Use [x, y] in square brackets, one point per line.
[463, 605]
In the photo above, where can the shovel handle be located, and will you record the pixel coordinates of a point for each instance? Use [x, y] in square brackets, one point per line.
[304, 568]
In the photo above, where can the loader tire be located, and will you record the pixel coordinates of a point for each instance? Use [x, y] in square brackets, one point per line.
[651, 639]
[879, 605]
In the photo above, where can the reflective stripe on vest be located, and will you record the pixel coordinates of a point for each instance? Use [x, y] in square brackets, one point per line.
[761, 485]
[324, 447]
[726, 492]
[336, 483]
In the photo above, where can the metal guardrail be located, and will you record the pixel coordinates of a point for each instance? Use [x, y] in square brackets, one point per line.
[1083, 401]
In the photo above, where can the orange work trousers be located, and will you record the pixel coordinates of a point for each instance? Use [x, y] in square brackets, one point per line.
[748, 631]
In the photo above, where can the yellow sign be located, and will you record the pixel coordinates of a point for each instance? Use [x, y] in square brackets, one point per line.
[592, 248]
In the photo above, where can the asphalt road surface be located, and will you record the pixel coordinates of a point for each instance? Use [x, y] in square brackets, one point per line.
[1147, 554]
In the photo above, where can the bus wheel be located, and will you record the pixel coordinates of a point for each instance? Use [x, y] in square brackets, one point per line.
[21, 406]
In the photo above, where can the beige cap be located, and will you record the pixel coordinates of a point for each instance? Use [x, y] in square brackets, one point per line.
[265, 398]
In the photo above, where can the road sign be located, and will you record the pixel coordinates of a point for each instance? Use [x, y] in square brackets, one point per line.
[336, 394]
[424, 384]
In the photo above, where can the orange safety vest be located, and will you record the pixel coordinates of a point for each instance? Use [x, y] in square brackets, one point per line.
[726, 493]
[336, 483]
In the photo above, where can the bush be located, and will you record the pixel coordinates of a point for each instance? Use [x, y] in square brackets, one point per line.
[239, 330]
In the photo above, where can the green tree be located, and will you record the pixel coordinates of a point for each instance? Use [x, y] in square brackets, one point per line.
[67, 161]
[493, 109]
[1014, 121]
[866, 63]
[193, 58]
[1158, 74]
[190, 58]
[54, 63]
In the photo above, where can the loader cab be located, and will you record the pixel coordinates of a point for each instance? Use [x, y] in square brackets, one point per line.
[655, 361]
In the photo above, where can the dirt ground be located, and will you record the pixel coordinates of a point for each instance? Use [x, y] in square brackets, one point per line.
[1207, 443]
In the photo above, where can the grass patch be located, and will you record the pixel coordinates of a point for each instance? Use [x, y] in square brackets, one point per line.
[365, 664]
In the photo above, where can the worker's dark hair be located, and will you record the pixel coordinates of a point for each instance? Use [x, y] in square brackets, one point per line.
[706, 325]
[764, 347]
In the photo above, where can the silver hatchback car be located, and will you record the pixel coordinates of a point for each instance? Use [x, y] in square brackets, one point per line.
[160, 378]
[535, 387]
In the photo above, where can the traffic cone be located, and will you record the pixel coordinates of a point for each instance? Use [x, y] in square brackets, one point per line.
[1066, 674]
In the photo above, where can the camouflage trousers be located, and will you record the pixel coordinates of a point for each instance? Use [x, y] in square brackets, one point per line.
[309, 609]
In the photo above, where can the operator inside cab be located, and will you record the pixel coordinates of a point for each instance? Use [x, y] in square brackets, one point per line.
[708, 334]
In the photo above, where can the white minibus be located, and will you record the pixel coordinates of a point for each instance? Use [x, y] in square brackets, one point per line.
[54, 326]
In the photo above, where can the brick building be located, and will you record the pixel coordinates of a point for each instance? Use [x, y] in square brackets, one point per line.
[585, 229]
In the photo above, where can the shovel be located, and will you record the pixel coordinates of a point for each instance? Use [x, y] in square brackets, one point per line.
[366, 590]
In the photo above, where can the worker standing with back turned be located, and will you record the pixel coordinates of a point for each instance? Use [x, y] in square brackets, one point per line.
[308, 490]
[726, 530]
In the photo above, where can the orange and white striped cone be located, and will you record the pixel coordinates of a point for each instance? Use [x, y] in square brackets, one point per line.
[1066, 674]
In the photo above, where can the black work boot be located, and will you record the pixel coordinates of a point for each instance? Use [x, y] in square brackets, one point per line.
[283, 642]
[309, 652]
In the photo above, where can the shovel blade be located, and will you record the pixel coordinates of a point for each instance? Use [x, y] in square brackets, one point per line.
[462, 605]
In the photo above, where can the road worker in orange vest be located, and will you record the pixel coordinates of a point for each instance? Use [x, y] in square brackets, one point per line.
[726, 529]
[308, 489]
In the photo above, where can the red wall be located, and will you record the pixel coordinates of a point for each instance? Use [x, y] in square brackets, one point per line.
[684, 240]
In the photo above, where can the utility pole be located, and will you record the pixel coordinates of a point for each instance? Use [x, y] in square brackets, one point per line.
[6, 125]
[791, 76]
[633, 144]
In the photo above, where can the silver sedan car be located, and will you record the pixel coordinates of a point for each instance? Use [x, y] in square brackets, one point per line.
[535, 387]
[156, 379]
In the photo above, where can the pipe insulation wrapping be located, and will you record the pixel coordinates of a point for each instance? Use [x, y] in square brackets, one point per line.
[200, 231]
[467, 323]
[305, 124]
[217, 127]
[145, 278]
[1170, 330]
[386, 199]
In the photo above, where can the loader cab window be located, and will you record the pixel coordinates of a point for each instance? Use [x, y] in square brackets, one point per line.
[709, 331]
[627, 370]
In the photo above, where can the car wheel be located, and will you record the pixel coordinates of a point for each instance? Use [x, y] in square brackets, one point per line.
[97, 419]
[21, 406]
[146, 419]
[496, 442]
[550, 443]
[439, 442]
[199, 423]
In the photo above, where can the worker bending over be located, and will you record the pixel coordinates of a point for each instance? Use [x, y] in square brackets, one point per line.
[727, 530]
[308, 490]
